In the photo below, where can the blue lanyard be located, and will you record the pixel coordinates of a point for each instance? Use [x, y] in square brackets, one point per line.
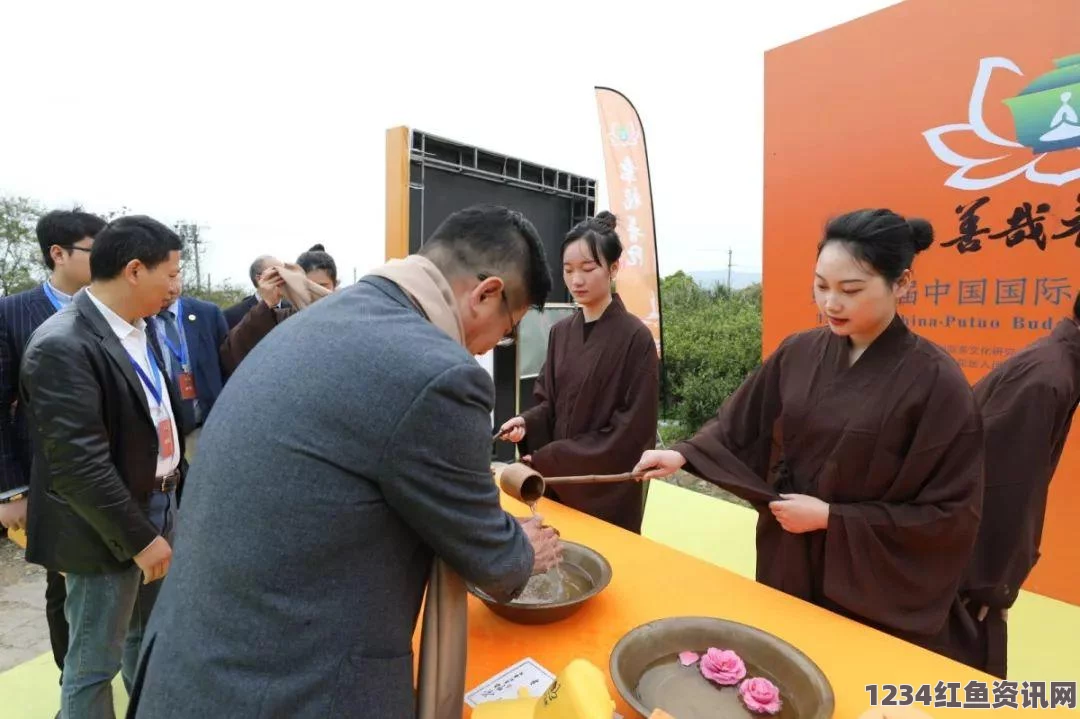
[51, 294]
[153, 387]
[181, 352]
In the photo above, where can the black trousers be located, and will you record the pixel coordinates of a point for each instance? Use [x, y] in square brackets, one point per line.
[55, 596]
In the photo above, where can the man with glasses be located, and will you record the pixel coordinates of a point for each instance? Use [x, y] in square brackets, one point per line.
[65, 238]
[379, 466]
[511, 333]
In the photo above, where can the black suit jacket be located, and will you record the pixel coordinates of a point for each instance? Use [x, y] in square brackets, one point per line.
[20, 315]
[95, 444]
[234, 314]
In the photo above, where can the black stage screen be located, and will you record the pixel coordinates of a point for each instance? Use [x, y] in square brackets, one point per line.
[446, 176]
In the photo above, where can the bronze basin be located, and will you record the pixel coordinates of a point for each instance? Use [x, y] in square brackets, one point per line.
[584, 561]
[653, 647]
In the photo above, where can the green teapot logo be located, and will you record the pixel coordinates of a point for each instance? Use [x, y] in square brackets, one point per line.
[1045, 112]
[1046, 118]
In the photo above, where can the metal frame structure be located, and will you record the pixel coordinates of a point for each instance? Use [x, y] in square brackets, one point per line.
[410, 155]
[427, 150]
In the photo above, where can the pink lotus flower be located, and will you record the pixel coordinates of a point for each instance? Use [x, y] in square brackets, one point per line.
[688, 658]
[722, 666]
[760, 695]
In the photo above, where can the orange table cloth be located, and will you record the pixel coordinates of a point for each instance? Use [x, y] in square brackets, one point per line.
[651, 581]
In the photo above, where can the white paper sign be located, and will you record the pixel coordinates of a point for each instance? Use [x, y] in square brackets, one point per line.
[487, 361]
[505, 685]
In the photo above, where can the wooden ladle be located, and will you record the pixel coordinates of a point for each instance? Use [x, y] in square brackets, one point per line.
[525, 484]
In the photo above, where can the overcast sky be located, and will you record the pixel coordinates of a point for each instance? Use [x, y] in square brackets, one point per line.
[266, 122]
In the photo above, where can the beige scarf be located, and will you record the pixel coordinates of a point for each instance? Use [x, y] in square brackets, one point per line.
[444, 637]
[298, 289]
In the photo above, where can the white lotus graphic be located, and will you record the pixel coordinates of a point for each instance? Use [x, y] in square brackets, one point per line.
[998, 149]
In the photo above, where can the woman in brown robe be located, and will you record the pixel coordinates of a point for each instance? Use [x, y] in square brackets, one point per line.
[597, 396]
[859, 444]
[1027, 404]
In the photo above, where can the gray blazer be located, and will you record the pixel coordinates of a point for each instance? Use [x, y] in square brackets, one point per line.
[351, 446]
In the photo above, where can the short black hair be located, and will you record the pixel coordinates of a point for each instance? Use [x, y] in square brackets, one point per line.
[65, 228]
[136, 237]
[317, 258]
[600, 237]
[880, 238]
[492, 240]
[257, 268]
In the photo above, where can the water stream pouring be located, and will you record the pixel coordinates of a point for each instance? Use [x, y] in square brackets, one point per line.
[583, 573]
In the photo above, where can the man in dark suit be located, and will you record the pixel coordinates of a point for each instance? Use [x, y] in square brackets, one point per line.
[190, 331]
[107, 456]
[234, 314]
[65, 238]
[379, 459]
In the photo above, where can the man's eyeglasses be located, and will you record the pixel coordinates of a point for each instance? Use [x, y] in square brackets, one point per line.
[508, 338]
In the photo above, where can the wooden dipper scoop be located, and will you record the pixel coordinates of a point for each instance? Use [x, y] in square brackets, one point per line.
[525, 484]
[522, 482]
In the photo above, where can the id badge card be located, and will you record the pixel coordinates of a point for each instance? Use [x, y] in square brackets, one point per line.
[166, 445]
[187, 385]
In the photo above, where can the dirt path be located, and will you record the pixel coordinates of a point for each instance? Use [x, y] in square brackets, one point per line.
[24, 634]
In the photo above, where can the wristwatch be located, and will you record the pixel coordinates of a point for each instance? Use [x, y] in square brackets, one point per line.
[14, 495]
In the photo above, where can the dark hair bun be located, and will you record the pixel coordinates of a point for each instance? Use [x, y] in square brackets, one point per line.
[606, 220]
[922, 233]
[317, 248]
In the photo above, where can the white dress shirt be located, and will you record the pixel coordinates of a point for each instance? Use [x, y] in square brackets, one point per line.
[133, 338]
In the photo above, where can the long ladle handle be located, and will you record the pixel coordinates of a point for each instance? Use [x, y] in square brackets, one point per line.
[592, 478]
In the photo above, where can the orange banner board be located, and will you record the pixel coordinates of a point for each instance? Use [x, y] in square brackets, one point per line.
[630, 197]
[965, 113]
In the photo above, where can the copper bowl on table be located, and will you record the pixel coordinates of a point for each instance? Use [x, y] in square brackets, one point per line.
[586, 560]
[804, 690]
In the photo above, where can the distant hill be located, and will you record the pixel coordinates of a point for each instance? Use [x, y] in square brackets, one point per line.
[710, 278]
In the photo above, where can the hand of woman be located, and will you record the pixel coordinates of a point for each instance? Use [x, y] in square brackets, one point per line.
[513, 430]
[656, 463]
[800, 513]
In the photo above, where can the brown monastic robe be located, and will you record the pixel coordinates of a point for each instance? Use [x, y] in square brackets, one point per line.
[893, 443]
[596, 410]
[249, 331]
[1027, 405]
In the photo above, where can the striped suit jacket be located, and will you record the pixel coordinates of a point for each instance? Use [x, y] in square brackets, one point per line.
[20, 315]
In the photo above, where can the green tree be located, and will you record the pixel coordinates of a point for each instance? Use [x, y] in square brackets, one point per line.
[191, 255]
[196, 284]
[20, 257]
[712, 341]
[223, 295]
[21, 266]
[113, 214]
